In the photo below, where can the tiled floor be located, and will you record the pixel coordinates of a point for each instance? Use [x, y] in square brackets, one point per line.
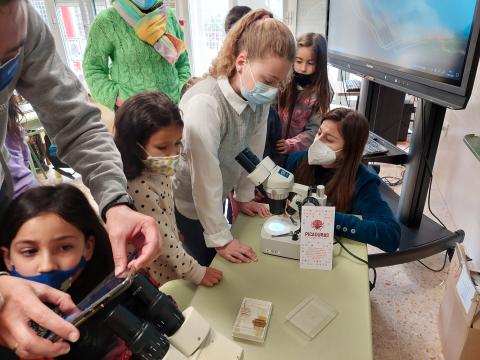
[405, 306]
[406, 299]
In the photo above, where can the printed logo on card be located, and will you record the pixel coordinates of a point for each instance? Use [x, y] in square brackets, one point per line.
[317, 224]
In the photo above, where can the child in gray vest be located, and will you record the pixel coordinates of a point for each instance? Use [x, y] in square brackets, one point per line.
[223, 114]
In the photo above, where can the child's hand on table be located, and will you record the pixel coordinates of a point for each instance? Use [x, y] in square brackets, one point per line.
[252, 208]
[237, 252]
[212, 277]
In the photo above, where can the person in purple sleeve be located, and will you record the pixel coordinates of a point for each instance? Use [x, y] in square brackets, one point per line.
[23, 178]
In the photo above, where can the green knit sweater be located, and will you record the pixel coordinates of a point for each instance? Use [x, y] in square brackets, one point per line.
[135, 65]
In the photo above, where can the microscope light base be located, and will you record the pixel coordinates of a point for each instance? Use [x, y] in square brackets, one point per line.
[274, 244]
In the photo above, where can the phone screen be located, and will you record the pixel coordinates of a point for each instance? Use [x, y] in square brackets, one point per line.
[107, 290]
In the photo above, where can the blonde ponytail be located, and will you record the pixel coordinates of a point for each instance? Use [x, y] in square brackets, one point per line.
[257, 34]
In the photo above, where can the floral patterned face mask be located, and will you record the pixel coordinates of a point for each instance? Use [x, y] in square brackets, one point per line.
[164, 165]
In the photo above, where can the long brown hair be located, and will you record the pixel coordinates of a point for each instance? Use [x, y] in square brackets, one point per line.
[320, 86]
[260, 36]
[353, 127]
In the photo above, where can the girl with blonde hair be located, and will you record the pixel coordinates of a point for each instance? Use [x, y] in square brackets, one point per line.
[223, 114]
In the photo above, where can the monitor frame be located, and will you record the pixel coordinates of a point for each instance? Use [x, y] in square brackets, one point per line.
[448, 95]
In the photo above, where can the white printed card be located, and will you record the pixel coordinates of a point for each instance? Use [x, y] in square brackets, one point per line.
[316, 239]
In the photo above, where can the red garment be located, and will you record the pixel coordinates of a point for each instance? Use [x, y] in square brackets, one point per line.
[119, 352]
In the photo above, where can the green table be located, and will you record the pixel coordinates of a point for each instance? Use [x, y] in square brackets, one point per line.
[281, 281]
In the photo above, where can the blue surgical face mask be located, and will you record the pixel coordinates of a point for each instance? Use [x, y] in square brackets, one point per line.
[8, 71]
[146, 4]
[260, 94]
[56, 279]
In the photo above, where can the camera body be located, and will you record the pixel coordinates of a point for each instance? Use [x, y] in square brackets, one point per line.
[152, 327]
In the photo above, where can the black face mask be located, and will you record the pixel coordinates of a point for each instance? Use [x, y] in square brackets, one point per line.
[303, 79]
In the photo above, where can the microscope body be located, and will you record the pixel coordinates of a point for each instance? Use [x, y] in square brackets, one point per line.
[280, 233]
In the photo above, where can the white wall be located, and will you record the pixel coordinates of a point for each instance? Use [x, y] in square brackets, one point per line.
[457, 171]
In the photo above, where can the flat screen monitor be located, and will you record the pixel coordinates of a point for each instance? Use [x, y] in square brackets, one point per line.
[427, 48]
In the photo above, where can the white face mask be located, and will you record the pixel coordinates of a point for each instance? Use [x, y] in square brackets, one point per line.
[320, 154]
[164, 165]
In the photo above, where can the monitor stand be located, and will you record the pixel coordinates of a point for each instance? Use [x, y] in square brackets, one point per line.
[421, 236]
[383, 107]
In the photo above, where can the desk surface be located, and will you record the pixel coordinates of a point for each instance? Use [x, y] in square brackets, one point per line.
[282, 282]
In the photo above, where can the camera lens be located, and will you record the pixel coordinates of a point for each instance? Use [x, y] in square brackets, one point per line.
[161, 311]
[141, 337]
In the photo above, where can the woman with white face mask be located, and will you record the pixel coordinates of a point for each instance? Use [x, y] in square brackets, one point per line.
[223, 114]
[334, 160]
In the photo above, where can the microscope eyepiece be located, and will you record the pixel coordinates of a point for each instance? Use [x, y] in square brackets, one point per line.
[248, 160]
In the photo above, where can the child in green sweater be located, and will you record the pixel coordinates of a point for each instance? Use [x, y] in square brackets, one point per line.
[141, 59]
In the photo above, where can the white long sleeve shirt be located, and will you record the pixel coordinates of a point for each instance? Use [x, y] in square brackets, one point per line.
[219, 124]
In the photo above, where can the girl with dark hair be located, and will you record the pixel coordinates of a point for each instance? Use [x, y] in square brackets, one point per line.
[334, 160]
[148, 134]
[306, 96]
[51, 234]
[235, 14]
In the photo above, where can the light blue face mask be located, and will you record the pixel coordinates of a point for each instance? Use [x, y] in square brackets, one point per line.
[146, 4]
[56, 279]
[260, 94]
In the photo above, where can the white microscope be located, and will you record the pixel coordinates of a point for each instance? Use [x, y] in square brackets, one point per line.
[153, 328]
[280, 233]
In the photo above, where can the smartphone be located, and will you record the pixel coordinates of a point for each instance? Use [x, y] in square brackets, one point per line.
[105, 292]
